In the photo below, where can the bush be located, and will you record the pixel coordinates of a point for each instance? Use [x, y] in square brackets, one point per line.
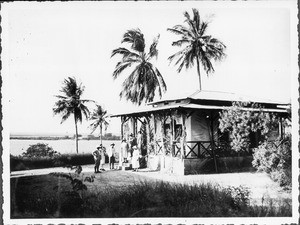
[275, 158]
[27, 163]
[240, 123]
[40, 150]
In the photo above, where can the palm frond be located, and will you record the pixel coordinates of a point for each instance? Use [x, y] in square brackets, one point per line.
[153, 52]
[135, 38]
[196, 19]
[124, 52]
[66, 114]
[182, 30]
[121, 66]
[191, 24]
[180, 42]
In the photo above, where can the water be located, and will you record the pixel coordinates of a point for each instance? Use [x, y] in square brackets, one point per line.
[17, 147]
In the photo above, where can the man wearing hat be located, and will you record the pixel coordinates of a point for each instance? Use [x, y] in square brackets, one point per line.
[111, 155]
[97, 157]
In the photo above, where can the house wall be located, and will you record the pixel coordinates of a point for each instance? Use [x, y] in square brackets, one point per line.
[200, 127]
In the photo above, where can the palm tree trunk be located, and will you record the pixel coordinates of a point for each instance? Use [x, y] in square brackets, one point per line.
[148, 135]
[76, 135]
[101, 133]
[199, 75]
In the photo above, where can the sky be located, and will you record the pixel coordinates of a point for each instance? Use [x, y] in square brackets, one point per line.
[46, 42]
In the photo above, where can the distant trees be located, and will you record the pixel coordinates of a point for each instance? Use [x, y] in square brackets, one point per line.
[198, 46]
[70, 103]
[144, 79]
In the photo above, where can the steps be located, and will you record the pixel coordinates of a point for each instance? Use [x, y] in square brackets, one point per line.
[126, 166]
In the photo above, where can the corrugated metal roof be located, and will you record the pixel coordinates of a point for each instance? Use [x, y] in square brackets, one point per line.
[220, 96]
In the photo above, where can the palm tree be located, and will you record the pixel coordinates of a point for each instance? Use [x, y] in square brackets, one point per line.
[198, 46]
[99, 117]
[70, 103]
[145, 78]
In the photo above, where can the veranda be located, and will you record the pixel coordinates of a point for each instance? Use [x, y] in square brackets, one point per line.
[183, 135]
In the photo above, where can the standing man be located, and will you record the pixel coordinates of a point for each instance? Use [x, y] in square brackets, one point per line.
[97, 157]
[111, 156]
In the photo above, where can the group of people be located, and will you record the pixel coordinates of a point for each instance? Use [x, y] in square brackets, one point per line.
[99, 157]
[129, 150]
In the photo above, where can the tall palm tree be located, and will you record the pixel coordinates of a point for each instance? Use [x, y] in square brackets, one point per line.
[99, 118]
[144, 79]
[198, 46]
[70, 103]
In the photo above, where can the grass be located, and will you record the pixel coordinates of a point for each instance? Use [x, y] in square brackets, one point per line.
[36, 197]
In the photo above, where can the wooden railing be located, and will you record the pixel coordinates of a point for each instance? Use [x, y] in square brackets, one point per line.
[193, 149]
[199, 149]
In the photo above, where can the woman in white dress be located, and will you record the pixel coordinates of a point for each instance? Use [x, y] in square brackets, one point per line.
[103, 153]
[124, 150]
[135, 158]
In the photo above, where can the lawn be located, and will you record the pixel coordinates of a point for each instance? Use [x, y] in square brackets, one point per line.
[127, 194]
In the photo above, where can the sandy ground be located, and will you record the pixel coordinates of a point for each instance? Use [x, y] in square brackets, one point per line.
[259, 184]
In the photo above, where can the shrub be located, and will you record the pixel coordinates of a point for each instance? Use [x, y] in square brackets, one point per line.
[240, 196]
[23, 163]
[275, 158]
[240, 123]
[39, 150]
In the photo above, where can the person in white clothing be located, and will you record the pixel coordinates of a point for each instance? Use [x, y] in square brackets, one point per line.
[135, 158]
[124, 151]
[103, 153]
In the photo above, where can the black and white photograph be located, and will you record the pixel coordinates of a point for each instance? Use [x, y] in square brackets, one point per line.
[170, 112]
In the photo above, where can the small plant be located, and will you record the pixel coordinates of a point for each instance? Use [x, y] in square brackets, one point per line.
[73, 201]
[240, 196]
[76, 182]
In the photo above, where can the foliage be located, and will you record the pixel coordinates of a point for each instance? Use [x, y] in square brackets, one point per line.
[40, 150]
[71, 103]
[145, 79]
[240, 122]
[275, 158]
[240, 195]
[77, 185]
[141, 199]
[25, 163]
[199, 47]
